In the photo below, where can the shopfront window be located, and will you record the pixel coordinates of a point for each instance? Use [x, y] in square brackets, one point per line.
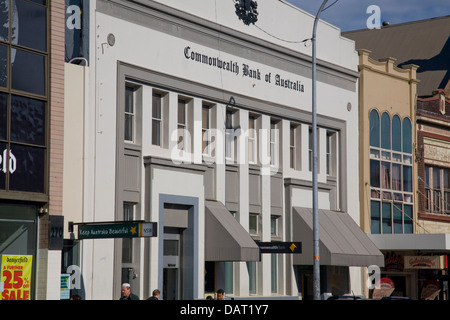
[23, 95]
[18, 235]
[391, 184]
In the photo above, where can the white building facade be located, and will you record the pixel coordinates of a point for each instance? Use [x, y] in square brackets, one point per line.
[201, 123]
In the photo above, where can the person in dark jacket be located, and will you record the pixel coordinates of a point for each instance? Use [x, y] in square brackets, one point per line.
[155, 295]
[127, 294]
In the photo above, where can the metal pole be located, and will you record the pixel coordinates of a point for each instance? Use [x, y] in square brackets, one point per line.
[316, 255]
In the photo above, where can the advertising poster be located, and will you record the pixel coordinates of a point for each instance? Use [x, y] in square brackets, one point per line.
[15, 277]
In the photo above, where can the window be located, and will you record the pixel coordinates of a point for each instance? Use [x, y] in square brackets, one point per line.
[252, 140]
[331, 153]
[437, 189]
[229, 135]
[253, 224]
[127, 243]
[292, 147]
[182, 124]
[274, 226]
[130, 115]
[24, 100]
[391, 185]
[157, 119]
[274, 143]
[310, 149]
[206, 126]
[274, 273]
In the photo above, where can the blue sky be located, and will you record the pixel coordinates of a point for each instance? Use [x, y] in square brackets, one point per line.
[351, 14]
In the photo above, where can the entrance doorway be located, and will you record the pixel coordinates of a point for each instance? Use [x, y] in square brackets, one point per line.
[172, 284]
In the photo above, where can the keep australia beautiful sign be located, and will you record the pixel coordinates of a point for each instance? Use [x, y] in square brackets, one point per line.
[243, 69]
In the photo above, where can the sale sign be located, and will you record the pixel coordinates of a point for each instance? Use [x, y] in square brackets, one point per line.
[15, 277]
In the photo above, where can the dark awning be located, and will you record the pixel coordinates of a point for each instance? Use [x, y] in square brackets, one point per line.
[225, 238]
[342, 242]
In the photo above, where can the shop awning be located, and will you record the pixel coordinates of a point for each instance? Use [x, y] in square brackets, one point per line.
[342, 242]
[417, 241]
[225, 238]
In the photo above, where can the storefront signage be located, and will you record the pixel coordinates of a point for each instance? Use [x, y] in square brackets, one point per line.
[384, 288]
[430, 290]
[15, 277]
[117, 230]
[424, 262]
[65, 286]
[280, 247]
[393, 261]
[6, 158]
[244, 69]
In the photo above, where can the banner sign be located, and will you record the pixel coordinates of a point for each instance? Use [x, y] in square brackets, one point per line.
[117, 230]
[280, 247]
[15, 277]
[424, 262]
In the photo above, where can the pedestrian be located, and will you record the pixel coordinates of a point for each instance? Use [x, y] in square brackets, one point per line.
[155, 295]
[220, 294]
[127, 294]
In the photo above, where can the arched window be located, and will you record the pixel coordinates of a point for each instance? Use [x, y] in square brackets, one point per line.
[396, 134]
[385, 131]
[407, 136]
[374, 129]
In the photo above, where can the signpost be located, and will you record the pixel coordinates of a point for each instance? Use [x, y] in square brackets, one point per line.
[107, 230]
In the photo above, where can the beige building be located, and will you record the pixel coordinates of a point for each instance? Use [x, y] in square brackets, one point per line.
[387, 167]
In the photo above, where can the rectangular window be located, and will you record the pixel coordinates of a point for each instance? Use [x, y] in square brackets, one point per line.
[292, 147]
[331, 153]
[206, 126]
[386, 217]
[157, 119]
[274, 143]
[253, 224]
[252, 140]
[130, 115]
[229, 135]
[375, 218]
[274, 226]
[274, 273]
[127, 243]
[182, 124]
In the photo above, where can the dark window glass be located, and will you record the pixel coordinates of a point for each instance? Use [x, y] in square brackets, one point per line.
[387, 217]
[3, 165]
[28, 72]
[374, 217]
[4, 20]
[29, 168]
[385, 131]
[27, 120]
[375, 173]
[3, 66]
[408, 219]
[398, 215]
[396, 134]
[374, 129]
[407, 178]
[407, 136]
[32, 20]
[3, 115]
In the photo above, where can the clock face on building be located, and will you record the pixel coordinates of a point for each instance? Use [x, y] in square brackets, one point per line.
[246, 10]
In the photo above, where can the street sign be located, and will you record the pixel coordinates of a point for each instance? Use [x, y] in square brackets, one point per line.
[116, 230]
[280, 247]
